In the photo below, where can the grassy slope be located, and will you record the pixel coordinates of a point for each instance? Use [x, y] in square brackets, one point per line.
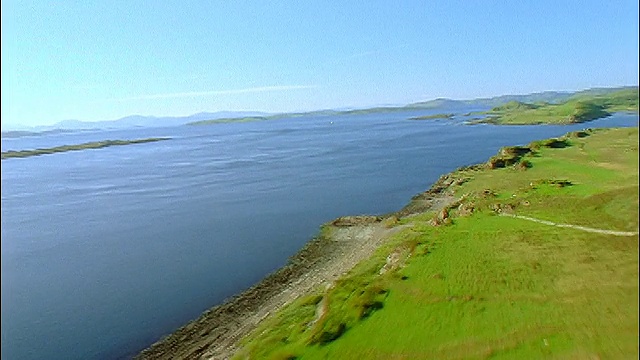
[85, 146]
[579, 108]
[487, 285]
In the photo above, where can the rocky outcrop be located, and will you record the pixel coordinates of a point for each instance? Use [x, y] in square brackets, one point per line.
[346, 221]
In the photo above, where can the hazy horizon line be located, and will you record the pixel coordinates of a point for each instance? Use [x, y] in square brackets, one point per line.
[285, 88]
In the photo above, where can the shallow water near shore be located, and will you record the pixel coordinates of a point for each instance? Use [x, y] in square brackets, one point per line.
[105, 251]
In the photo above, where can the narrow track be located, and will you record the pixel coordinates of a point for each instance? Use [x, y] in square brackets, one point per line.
[577, 227]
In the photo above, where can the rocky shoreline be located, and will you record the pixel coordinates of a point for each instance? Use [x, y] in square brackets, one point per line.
[342, 243]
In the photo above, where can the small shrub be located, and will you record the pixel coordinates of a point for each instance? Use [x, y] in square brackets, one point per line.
[524, 165]
[328, 334]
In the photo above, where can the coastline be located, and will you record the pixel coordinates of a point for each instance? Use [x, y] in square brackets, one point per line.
[340, 245]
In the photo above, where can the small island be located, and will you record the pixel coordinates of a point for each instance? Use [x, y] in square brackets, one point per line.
[90, 145]
[577, 109]
[433, 117]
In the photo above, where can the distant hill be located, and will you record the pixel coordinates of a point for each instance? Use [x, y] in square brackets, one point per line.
[579, 107]
[552, 97]
[123, 123]
[514, 105]
[437, 103]
[151, 121]
[22, 133]
[206, 118]
[511, 102]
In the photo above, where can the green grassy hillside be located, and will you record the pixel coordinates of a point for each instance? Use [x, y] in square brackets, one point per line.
[472, 281]
[578, 108]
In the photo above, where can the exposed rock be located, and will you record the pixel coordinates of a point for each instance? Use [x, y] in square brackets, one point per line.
[466, 209]
[391, 221]
[514, 151]
[497, 208]
[442, 218]
[580, 134]
[486, 193]
[395, 260]
[503, 208]
[507, 156]
[524, 165]
[355, 220]
[508, 208]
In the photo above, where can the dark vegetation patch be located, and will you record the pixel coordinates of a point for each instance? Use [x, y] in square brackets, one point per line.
[350, 301]
[580, 134]
[554, 143]
[513, 155]
[560, 183]
[432, 117]
[508, 156]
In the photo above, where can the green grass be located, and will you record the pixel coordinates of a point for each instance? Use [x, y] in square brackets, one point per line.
[85, 146]
[489, 286]
[577, 109]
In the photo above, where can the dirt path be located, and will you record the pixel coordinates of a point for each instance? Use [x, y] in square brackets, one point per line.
[578, 227]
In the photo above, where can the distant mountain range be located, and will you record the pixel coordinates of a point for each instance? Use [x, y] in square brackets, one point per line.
[227, 116]
[129, 122]
[440, 103]
[545, 96]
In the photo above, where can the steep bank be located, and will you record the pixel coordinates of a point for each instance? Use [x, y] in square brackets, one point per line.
[341, 245]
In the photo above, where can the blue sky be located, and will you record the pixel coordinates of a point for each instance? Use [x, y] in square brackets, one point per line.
[102, 60]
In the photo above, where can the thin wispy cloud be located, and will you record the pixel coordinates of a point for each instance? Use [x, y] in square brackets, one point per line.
[193, 94]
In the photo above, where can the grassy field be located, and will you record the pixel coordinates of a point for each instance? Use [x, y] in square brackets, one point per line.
[469, 283]
[579, 108]
[90, 145]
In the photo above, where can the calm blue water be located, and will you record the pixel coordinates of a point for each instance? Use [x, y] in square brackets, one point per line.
[105, 251]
